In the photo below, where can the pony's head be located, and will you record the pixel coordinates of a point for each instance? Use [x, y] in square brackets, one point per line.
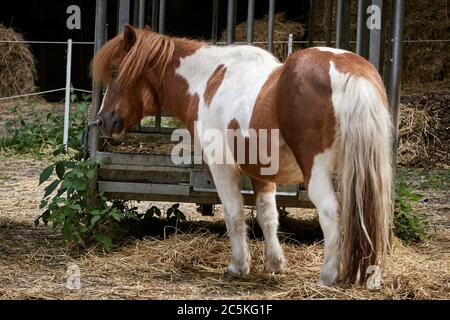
[131, 66]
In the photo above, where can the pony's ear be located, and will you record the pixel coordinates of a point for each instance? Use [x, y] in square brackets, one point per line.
[147, 27]
[129, 36]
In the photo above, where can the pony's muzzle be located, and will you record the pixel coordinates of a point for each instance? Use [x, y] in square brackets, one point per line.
[109, 123]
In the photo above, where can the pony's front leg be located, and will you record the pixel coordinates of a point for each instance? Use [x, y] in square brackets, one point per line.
[267, 216]
[227, 181]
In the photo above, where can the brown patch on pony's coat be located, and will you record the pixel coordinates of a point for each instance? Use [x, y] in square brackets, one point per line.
[260, 186]
[214, 82]
[305, 108]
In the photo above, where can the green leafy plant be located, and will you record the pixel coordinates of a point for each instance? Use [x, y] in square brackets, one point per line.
[409, 226]
[42, 131]
[67, 201]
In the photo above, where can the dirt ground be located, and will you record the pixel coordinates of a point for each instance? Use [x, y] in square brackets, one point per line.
[34, 261]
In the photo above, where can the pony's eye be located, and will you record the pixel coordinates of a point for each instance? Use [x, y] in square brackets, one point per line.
[113, 75]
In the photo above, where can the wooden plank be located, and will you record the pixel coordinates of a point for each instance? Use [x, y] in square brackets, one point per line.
[144, 168]
[139, 176]
[144, 188]
[210, 198]
[202, 182]
[139, 159]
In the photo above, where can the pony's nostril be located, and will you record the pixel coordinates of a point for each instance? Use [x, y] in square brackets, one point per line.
[99, 122]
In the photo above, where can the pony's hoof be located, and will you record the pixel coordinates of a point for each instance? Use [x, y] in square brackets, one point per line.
[235, 270]
[327, 280]
[275, 264]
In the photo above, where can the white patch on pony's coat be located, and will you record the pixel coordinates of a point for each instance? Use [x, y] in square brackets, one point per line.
[332, 50]
[247, 69]
[267, 216]
[103, 100]
[322, 194]
[226, 179]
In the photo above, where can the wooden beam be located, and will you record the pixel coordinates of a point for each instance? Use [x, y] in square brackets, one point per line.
[143, 188]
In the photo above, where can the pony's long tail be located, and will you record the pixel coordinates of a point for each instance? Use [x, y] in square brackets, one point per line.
[365, 174]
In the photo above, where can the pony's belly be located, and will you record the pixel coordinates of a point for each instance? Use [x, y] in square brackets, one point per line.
[288, 171]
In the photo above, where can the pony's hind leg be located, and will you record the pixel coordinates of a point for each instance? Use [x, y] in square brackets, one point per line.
[322, 194]
[227, 181]
[267, 216]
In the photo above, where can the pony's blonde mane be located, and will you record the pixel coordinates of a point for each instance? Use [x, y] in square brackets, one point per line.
[148, 51]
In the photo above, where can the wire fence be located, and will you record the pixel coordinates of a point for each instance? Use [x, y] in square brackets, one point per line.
[290, 42]
[42, 92]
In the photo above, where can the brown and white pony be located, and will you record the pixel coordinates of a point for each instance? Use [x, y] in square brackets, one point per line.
[330, 108]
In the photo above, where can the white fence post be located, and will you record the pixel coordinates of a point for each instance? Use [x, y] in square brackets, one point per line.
[67, 100]
[290, 40]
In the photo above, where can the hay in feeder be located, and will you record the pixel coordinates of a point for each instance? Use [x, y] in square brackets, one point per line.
[282, 29]
[17, 65]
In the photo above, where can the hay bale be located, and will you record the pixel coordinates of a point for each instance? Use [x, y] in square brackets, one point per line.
[17, 65]
[282, 29]
[424, 20]
[426, 62]
[424, 136]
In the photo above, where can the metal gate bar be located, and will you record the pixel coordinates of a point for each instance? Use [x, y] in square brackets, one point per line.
[376, 52]
[250, 20]
[271, 21]
[124, 15]
[343, 14]
[215, 21]
[231, 21]
[162, 17]
[329, 23]
[97, 96]
[362, 32]
[312, 9]
[395, 67]
[155, 6]
[141, 14]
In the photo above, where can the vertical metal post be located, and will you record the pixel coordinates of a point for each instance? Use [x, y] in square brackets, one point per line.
[312, 9]
[329, 22]
[376, 36]
[161, 29]
[135, 13]
[362, 32]
[155, 9]
[343, 11]
[290, 43]
[97, 97]
[124, 14]
[215, 21]
[231, 21]
[395, 67]
[162, 16]
[271, 22]
[67, 98]
[250, 20]
[141, 17]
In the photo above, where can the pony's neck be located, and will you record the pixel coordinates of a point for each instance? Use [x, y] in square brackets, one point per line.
[172, 90]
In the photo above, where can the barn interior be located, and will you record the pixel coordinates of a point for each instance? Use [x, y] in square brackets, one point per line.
[46, 21]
